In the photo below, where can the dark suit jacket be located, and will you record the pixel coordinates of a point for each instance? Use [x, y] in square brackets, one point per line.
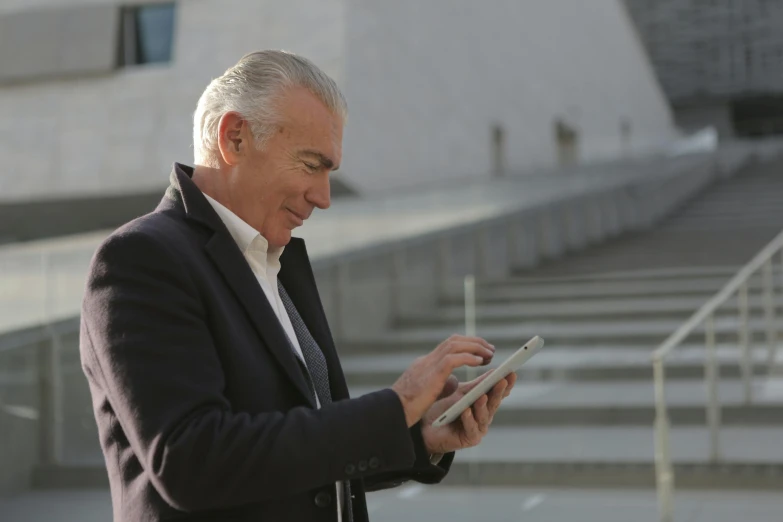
[202, 409]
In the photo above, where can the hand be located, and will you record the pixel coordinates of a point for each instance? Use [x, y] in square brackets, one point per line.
[424, 380]
[473, 424]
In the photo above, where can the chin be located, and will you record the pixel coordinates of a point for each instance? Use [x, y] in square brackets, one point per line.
[280, 240]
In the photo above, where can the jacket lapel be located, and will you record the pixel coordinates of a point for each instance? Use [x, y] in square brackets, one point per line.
[296, 275]
[228, 259]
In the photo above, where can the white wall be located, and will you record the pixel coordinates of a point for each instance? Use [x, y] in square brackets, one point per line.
[424, 82]
[122, 132]
[426, 79]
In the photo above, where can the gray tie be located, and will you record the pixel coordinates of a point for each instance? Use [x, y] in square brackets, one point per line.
[317, 371]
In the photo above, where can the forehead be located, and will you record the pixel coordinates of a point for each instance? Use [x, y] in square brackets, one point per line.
[306, 122]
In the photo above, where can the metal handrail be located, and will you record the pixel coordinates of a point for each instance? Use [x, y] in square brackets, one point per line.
[706, 315]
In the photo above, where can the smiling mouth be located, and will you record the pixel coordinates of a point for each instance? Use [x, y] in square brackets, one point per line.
[299, 219]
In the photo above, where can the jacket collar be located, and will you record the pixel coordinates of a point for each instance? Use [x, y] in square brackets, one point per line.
[296, 276]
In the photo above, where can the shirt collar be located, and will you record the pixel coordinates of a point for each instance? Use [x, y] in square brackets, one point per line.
[246, 237]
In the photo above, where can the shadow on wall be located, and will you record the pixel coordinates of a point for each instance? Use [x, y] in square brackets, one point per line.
[30, 220]
[25, 221]
[567, 144]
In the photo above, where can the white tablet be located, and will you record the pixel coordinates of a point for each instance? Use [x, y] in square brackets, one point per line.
[520, 357]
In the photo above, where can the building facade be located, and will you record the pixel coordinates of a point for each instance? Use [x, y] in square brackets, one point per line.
[97, 96]
[719, 61]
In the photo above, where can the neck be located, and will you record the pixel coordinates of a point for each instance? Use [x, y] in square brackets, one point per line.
[212, 183]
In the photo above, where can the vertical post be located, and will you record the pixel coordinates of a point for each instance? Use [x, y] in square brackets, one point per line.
[470, 316]
[769, 314]
[664, 475]
[744, 338]
[711, 373]
[470, 331]
[470, 305]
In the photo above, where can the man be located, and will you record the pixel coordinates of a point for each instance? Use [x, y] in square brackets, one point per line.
[216, 384]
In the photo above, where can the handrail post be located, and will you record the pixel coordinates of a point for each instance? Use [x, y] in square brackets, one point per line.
[711, 371]
[769, 314]
[744, 338]
[470, 305]
[470, 331]
[664, 474]
[470, 316]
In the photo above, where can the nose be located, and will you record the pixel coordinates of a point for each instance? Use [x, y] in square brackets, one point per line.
[320, 194]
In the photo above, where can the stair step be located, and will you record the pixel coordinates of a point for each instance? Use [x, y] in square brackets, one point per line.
[626, 445]
[628, 363]
[674, 272]
[583, 334]
[653, 308]
[508, 291]
[608, 456]
[617, 475]
[631, 403]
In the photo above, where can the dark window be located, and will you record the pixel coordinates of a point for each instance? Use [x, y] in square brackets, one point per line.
[146, 34]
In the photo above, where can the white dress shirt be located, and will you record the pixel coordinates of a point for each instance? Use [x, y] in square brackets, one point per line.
[265, 264]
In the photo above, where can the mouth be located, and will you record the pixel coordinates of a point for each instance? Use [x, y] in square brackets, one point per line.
[297, 218]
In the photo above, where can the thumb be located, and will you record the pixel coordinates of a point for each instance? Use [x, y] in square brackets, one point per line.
[467, 386]
[450, 387]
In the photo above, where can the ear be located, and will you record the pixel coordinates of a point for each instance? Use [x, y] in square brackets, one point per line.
[233, 137]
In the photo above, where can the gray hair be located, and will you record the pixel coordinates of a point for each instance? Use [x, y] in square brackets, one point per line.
[251, 88]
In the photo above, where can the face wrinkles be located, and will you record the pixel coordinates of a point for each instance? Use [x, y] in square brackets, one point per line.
[277, 187]
[296, 163]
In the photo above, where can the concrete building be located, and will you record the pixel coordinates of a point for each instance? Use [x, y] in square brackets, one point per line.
[97, 96]
[720, 62]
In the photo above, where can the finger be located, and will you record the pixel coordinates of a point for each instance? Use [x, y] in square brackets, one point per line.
[451, 362]
[470, 427]
[468, 346]
[452, 383]
[511, 380]
[496, 396]
[472, 339]
[465, 387]
[460, 343]
[457, 348]
[481, 413]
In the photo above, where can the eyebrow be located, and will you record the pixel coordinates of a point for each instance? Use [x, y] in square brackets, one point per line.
[322, 158]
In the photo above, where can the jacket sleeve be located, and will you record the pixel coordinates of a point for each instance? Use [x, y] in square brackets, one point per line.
[146, 344]
[422, 471]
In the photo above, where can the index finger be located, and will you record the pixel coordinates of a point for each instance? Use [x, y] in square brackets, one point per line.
[465, 346]
[471, 339]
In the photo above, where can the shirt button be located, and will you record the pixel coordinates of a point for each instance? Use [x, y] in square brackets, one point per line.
[362, 466]
[374, 463]
[323, 499]
[350, 469]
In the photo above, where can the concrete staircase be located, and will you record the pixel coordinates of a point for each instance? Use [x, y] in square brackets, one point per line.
[582, 413]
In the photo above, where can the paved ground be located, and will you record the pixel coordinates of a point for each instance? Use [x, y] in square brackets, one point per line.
[440, 504]
[624, 444]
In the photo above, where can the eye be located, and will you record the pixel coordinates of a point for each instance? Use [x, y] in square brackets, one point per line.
[311, 168]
